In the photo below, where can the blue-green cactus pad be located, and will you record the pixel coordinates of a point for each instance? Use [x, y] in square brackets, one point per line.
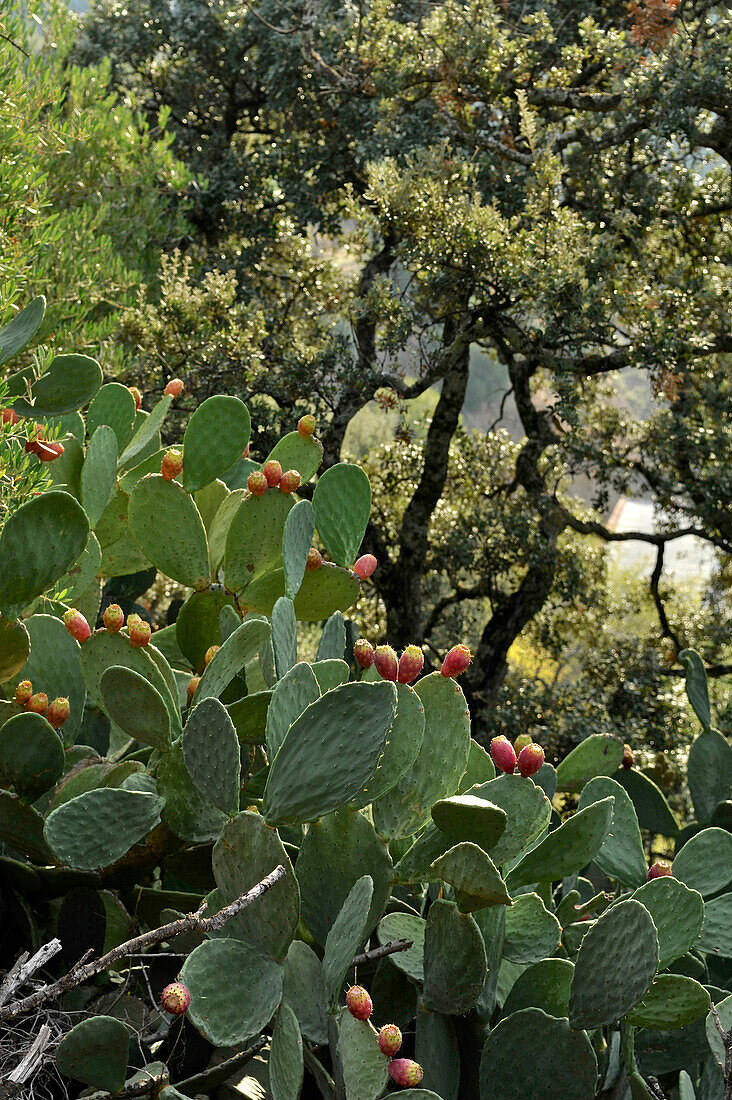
[215, 436]
[568, 849]
[31, 755]
[114, 406]
[168, 529]
[95, 1052]
[530, 1054]
[293, 452]
[672, 1001]
[211, 754]
[621, 855]
[716, 933]
[403, 743]
[197, 625]
[455, 960]
[342, 505]
[345, 938]
[709, 773]
[654, 812]
[678, 914]
[599, 754]
[405, 926]
[254, 539]
[544, 985]
[303, 990]
[240, 647]
[145, 438]
[528, 812]
[696, 686]
[466, 817]
[136, 706]
[53, 667]
[187, 813]
[705, 862]
[296, 542]
[365, 1068]
[21, 329]
[286, 1057]
[14, 648]
[235, 990]
[473, 875]
[99, 473]
[97, 828]
[69, 383]
[21, 829]
[436, 1051]
[531, 932]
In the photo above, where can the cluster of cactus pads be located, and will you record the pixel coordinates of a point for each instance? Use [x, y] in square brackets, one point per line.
[506, 925]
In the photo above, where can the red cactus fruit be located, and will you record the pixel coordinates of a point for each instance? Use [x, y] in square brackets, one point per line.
[306, 425]
[272, 472]
[23, 692]
[530, 759]
[503, 755]
[411, 664]
[9, 416]
[113, 618]
[358, 1002]
[405, 1072]
[365, 566]
[522, 741]
[172, 464]
[456, 661]
[290, 481]
[659, 869]
[175, 998]
[137, 396]
[210, 653]
[257, 483]
[628, 759]
[191, 689]
[314, 559]
[363, 651]
[386, 662]
[174, 388]
[390, 1039]
[48, 452]
[38, 703]
[139, 632]
[58, 712]
[77, 625]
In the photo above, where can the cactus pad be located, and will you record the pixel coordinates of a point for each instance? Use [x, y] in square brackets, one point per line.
[303, 990]
[466, 817]
[599, 754]
[331, 674]
[403, 743]
[254, 539]
[197, 625]
[97, 828]
[345, 938]
[296, 542]
[296, 690]
[69, 383]
[716, 934]
[293, 452]
[14, 648]
[169, 530]
[365, 1068]
[705, 862]
[454, 960]
[21, 829]
[405, 926]
[544, 985]
[145, 436]
[286, 1057]
[418, 862]
[114, 406]
[531, 933]
[567, 849]
[95, 1052]
[135, 706]
[211, 754]
[284, 635]
[324, 591]
[241, 647]
[651, 807]
[216, 434]
[672, 1001]
[99, 473]
[342, 505]
[678, 914]
[31, 755]
[436, 1050]
[187, 813]
[621, 855]
[21, 329]
[54, 663]
[474, 876]
[530, 1054]
[696, 686]
[332, 644]
[709, 773]
[528, 811]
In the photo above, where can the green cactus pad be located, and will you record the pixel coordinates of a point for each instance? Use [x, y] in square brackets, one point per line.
[324, 591]
[405, 926]
[479, 769]
[208, 501]
[474, 876]
[235, 990]
[532, 933]
[137, 707]
[187, 813]
[150, 465]
[454, 960]
[568, 849]
[303, 990]
[215, 437]
[120, 553]
[95, 1052]
[83, 573]
[332, 644]
[716, 933]
[97, 828]
[365, 1068]
[286, 1057]
[293, 452]
[395, 1000]
[296, 542]
[21, 329]
[65, 471]
[14, 648]
[439, 765]
[197, 625]
[724, 1013]
[211, 754]
[169, 530]
[342, 506]
[219, 528]
[651, 807]
[599, 754]
[437, 1052]
[254, 539]
[528, 812]
[402, 746]
[466, 817]
[246, 851]
[621, 855]
[53, 665]
[678, 914]
[21, 829]
[238, 650]
[615, 967]
[284, 635]
[705, 862]
[99, 473]
[335, 852]
[146, 429]
[666, 1051]
[113, 405]
[696, 686]
[38, 544]
[31, 755]
[297, 689]
[249, 716]
[320, 766]
[672, 1001]
[103, 651]
[530, 1054]
[345, 938]
[236, 476]
[418, 862]
[686, 1087]
[709, 773]
[69, 383]
[544, 985]
[331, 674]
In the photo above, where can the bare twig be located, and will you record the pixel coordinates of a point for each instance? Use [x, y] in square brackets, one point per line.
[84, 970]
[26, 967]
[220, 1074]
[381, 952]
[32, 1059]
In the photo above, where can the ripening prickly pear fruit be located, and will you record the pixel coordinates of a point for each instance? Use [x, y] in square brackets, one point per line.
[521, 742]
[174, 388]
[314, 559]
[659, 869]
[456, 661]
[628, 759]
[365, 566]
[175, 998]
[358, 1002]
[58, 711]
[530, 759]
[136, 395]
[272, 472]
[503, 755]
[306, 425]
[23, 692]
[386, 662]
[139, 632]
[172, 464]
[290, 481]
[38, 703]
[77, 625]
[411, 664]
[210, 653]
[191, 689]
[245, 452]
[113, 618]
[48, 452]
[405, 1072]
[363, 651]
[9, 416]
[390, 1039]
[257, 483]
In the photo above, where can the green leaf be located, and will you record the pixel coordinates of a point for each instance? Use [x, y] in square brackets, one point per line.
[95, 1052]
[696, 686]
[342, 506]
[168, 529]
[567, 850]
[69, 383]
[296, 542]
[21, 329]
[215, 437]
